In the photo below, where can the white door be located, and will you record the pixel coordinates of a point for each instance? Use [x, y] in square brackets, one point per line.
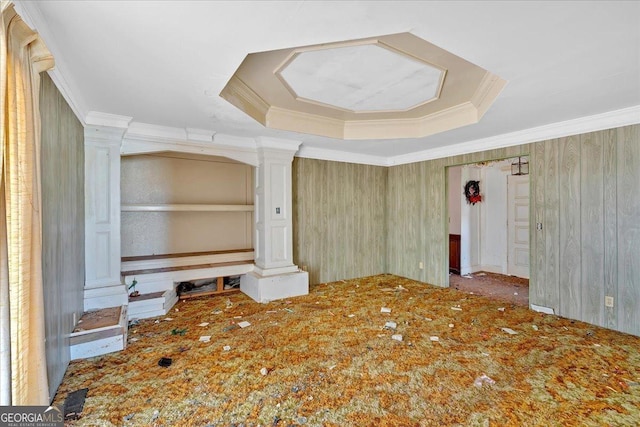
[518, 225]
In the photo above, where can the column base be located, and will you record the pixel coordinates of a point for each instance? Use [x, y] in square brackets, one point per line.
[274, 271]
[273, 287]
[105, 297]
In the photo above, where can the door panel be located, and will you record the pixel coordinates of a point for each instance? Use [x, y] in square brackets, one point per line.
[518, 225]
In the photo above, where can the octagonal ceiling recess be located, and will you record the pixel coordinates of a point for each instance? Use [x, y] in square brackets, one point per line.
[387, 87]
[360, 78]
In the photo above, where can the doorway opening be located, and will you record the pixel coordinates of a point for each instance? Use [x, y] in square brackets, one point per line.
[489, 239]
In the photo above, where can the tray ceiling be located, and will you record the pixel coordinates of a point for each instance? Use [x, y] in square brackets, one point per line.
[386, 87]
[571, 66]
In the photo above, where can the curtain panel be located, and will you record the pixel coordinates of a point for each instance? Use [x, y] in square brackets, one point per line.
[23, 373]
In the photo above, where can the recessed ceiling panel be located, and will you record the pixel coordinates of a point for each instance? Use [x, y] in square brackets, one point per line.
[386, 87]
[366, 77]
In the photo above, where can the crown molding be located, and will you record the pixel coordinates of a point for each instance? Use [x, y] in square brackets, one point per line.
[103, 135]
[245, 148]
[341, 156]
[270, 143]
[30, 13]
[96, 118]
[238, 92]
[202, 135]
[136, 146]
[608, 120]
[303, 122]
[459, 115]
[488, 90]
[235, 141]
[150, 132]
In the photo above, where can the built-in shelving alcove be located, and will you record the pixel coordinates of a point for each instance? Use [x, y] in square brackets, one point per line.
[173, 203]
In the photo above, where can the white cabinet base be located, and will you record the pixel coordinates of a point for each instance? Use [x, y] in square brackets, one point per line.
[152, 305]
[269, 288]
[100, 340]
[104, 297]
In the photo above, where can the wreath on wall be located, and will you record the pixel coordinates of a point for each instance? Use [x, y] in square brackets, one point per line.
[472, 192]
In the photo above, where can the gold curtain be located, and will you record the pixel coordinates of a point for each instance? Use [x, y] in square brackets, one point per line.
[22, 57]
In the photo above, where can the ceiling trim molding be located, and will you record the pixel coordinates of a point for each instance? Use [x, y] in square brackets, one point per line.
[238, 92]
[30, 13]
[209, 142]
[414, 127]
[270, 143]
[156, 132]
[341, 156]
[488, 90]
[284, 119]
[234, 141]
[136, 146]
[75, 104]
[609, 120]
[96, 118]
[143, 138]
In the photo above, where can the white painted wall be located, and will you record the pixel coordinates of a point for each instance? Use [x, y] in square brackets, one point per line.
[483, 227]
[493, 227]
[470, 220]
[456, 198]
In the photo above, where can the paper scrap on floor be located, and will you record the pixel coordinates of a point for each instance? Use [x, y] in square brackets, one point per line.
[390, 325]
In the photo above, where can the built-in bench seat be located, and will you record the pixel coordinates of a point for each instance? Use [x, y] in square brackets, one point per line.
[189, 259]
[99, 332]
[182, 268]
[160, 274]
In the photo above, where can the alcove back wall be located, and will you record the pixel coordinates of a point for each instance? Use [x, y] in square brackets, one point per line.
[178, 178]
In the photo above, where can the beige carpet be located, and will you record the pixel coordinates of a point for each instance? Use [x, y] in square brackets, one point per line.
[326, 359]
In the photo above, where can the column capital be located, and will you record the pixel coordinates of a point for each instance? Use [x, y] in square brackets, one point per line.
[270, 147]
[103, 135]
[105, 128]
[96, 118]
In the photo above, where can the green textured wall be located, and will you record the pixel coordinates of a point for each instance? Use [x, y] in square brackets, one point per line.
[354, 220]
[62, 167]
[339, 226]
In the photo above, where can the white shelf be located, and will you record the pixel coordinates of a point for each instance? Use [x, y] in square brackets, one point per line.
[186, 208]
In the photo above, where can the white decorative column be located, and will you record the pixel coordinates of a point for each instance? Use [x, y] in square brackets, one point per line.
[274, 276]
[103, 287]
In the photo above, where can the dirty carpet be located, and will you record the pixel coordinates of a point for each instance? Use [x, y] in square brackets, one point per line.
[329, 359]
[510, 289]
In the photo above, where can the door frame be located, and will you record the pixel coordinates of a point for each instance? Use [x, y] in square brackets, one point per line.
[445, 217]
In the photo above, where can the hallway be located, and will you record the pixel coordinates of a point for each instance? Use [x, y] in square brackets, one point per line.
[511, 289]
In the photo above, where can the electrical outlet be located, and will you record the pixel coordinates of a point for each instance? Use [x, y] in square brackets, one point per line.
[420, 265]
[608, 301]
